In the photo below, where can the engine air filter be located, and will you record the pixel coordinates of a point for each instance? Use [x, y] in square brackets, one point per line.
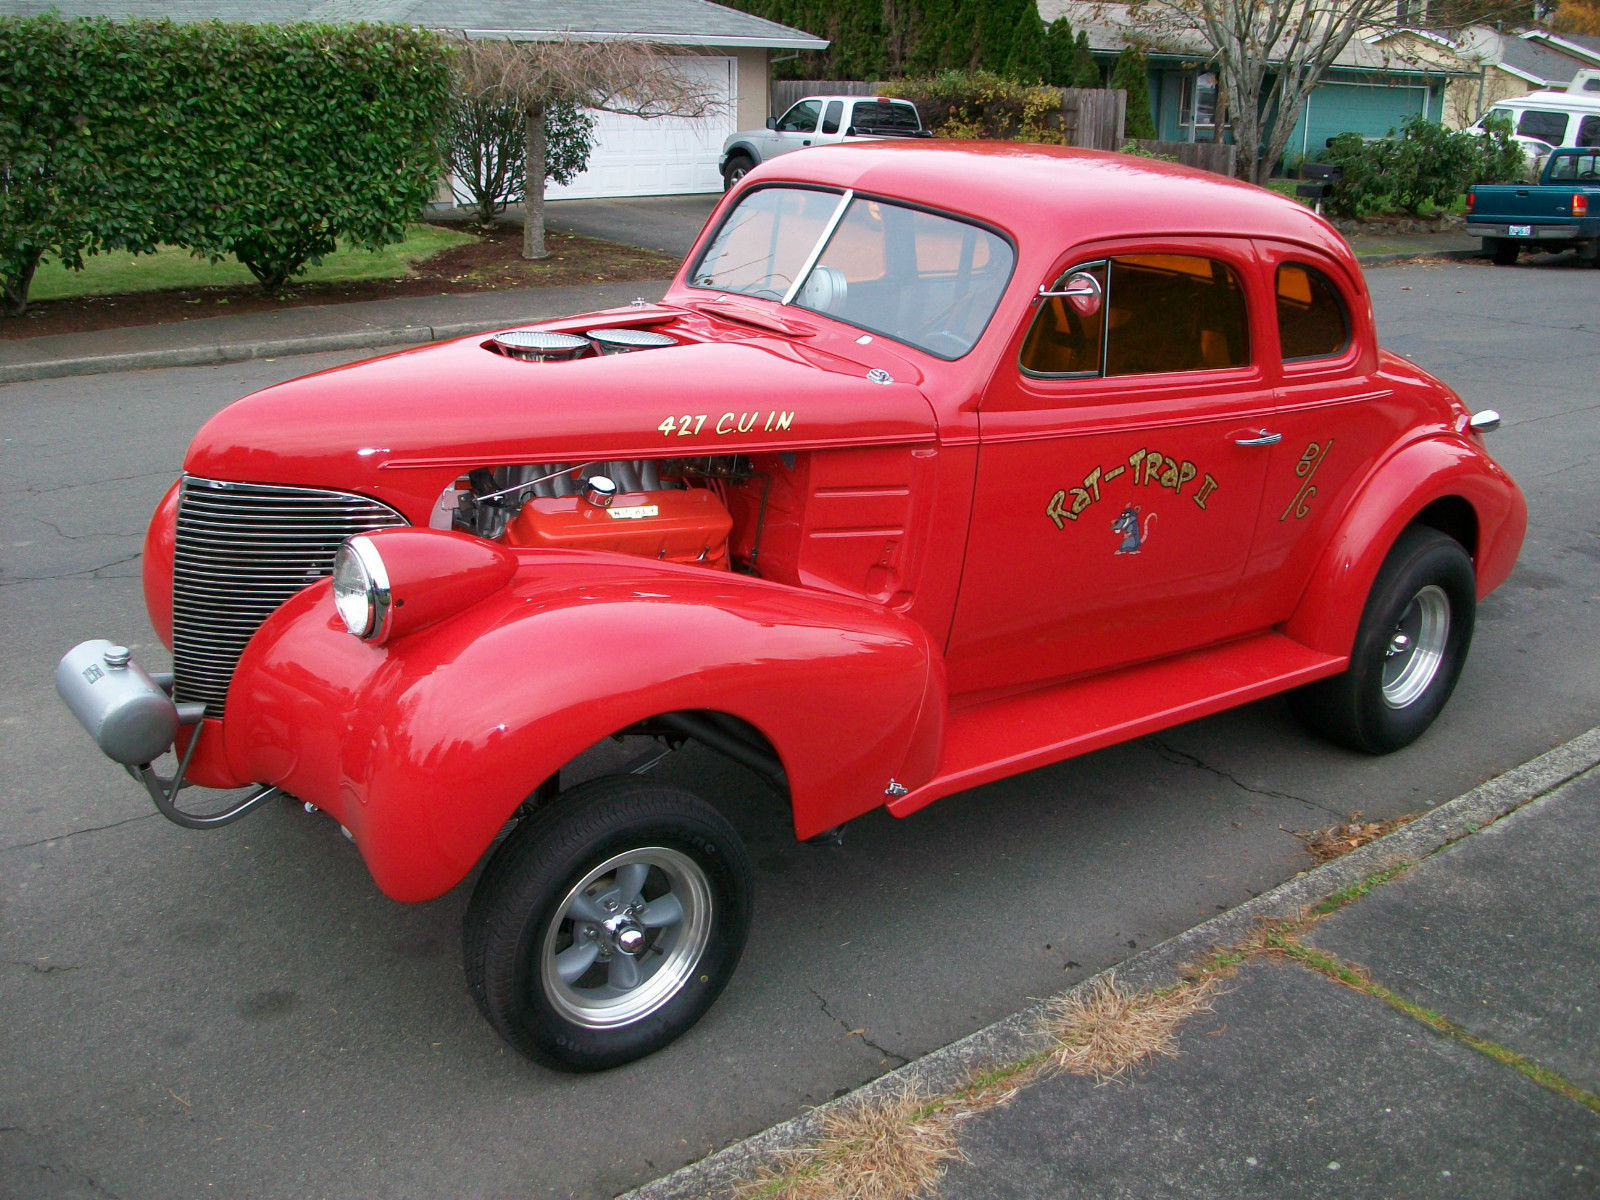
[536, 345]
[626, 341]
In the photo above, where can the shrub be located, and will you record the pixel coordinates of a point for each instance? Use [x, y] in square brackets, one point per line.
[1425, 164]
[269, 143]
[1133, 76]
[488, 151]
[980, 104]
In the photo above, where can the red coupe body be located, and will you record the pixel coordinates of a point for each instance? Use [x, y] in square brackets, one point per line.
[925, 565]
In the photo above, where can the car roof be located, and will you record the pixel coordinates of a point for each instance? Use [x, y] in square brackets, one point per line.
[1041, 191]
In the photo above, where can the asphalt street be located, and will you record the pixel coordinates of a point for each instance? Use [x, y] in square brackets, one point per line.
[240, 1012]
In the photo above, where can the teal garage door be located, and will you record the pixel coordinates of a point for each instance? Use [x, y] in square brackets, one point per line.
[1370, 110]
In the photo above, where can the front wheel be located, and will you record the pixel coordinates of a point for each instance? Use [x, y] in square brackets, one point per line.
[607, 924]
[1409, 650]
[738, 167]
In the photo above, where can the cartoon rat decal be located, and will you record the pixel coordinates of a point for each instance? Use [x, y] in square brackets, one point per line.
[1127, 524]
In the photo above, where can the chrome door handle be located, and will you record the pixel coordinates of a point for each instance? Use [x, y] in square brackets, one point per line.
[1261, 439]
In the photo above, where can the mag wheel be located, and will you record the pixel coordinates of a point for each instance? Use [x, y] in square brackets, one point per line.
[606, 925]
[1409, 649]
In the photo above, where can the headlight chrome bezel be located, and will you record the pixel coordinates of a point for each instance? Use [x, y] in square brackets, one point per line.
[361, 592]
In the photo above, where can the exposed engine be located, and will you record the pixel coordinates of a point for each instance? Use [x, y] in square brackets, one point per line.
[675, 510]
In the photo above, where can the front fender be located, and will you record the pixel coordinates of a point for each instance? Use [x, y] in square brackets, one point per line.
[1392, 497]
[424, 747]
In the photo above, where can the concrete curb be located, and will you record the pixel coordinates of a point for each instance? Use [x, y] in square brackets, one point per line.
[376, 338]
[1018, 1035]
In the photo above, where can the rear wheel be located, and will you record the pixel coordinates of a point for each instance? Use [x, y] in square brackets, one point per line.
[607, 924]
[1409, 649]
[1503, 250]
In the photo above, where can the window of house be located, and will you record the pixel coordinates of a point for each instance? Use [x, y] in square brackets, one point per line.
[1312, 322]
[1198, 111]
[1156, 313]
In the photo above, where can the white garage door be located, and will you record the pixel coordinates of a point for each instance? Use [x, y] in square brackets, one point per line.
[668, 156]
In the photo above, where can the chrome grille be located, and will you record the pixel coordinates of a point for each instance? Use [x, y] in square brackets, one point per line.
[242, 550]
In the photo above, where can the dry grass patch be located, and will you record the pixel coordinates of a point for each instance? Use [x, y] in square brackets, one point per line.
[1103, 1030]
[1325, 845]
[891, 1148]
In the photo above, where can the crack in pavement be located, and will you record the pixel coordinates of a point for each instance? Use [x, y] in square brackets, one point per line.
[1183, 758]
[62, 837]
[900, 1060]
[39, 969]
[89, 571]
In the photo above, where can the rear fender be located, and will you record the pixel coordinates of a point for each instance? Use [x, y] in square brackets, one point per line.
[424, 747]
[1398, 492]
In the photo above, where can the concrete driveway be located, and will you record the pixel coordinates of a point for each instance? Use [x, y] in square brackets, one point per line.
[666, 223]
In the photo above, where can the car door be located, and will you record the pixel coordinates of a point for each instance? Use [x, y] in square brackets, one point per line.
[1120, 467]
[1334, 414]
[797, 128]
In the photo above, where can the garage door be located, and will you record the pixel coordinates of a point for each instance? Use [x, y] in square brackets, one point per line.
[669, 156]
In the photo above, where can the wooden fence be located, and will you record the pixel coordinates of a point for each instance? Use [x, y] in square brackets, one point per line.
[1090, 117]
[1219, 157]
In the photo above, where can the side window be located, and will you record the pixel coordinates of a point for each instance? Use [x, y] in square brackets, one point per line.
[1158, 313]
[802, 118]
[1589, 132]
[830, 119]
[1312, 322]
[1545, 125]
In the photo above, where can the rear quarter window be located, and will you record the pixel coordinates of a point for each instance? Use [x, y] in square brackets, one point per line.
[1312, 320]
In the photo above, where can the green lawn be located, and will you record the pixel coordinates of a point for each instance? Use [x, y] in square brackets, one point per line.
[111, 274]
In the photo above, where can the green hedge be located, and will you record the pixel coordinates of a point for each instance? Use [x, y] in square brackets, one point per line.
[980, 104]
[268, 143]
[1424, 164]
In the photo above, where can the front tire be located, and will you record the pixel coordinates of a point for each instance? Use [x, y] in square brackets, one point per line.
[738, 166]
[607, 924]
[1409, 650]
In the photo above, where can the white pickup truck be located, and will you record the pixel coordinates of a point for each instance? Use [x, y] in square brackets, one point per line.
[819, 121]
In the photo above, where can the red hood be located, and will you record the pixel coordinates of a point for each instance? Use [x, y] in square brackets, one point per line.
[401, 426]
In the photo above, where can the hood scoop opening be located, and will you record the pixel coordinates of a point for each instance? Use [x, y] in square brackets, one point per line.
[540, 345]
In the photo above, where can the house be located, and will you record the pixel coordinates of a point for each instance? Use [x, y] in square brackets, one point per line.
[1370, 89]
[726, 51]
[1504, 65]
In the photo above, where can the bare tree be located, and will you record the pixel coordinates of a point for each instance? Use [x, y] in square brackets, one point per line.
[619, 75]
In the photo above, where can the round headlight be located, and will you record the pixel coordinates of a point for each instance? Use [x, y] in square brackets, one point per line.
[361, 589]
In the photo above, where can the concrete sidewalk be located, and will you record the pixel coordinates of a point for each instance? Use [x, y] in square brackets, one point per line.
[1436, 1034]
[377, 324]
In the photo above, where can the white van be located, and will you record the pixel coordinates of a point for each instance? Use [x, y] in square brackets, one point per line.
[1542, 121]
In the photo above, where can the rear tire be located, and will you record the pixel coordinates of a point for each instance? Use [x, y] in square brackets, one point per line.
[1409, 649]
[1502, 250]
[607, 924]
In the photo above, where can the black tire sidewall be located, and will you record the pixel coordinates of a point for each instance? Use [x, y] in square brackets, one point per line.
[1420, 557]
[559, 847]
[738, 166]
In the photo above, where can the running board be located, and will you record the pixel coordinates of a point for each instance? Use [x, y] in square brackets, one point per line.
[1038, 728]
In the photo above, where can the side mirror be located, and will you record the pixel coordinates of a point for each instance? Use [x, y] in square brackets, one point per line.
[772, 122]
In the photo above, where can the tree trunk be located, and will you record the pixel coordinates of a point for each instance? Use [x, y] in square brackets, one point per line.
[533, 191]
[14, 295]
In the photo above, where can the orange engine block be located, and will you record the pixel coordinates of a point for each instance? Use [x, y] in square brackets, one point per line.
[690, 526]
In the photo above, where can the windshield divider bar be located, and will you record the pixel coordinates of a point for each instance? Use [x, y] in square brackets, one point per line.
[822, 244]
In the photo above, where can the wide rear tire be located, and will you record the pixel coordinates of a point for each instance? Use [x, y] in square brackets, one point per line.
[1409, 650]
[1503, 250]
[607, 924]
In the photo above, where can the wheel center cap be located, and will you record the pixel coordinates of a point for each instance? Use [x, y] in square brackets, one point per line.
[629, 938]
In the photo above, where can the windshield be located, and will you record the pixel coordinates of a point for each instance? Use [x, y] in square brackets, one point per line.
[922, 278]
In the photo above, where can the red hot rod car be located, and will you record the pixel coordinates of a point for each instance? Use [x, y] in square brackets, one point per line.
[935, 463]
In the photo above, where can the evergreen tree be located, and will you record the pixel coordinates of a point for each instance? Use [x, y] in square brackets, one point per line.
[993, 21]
[1026, 60]
[1085, 71]
[1058, 53]
[1133, 76]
